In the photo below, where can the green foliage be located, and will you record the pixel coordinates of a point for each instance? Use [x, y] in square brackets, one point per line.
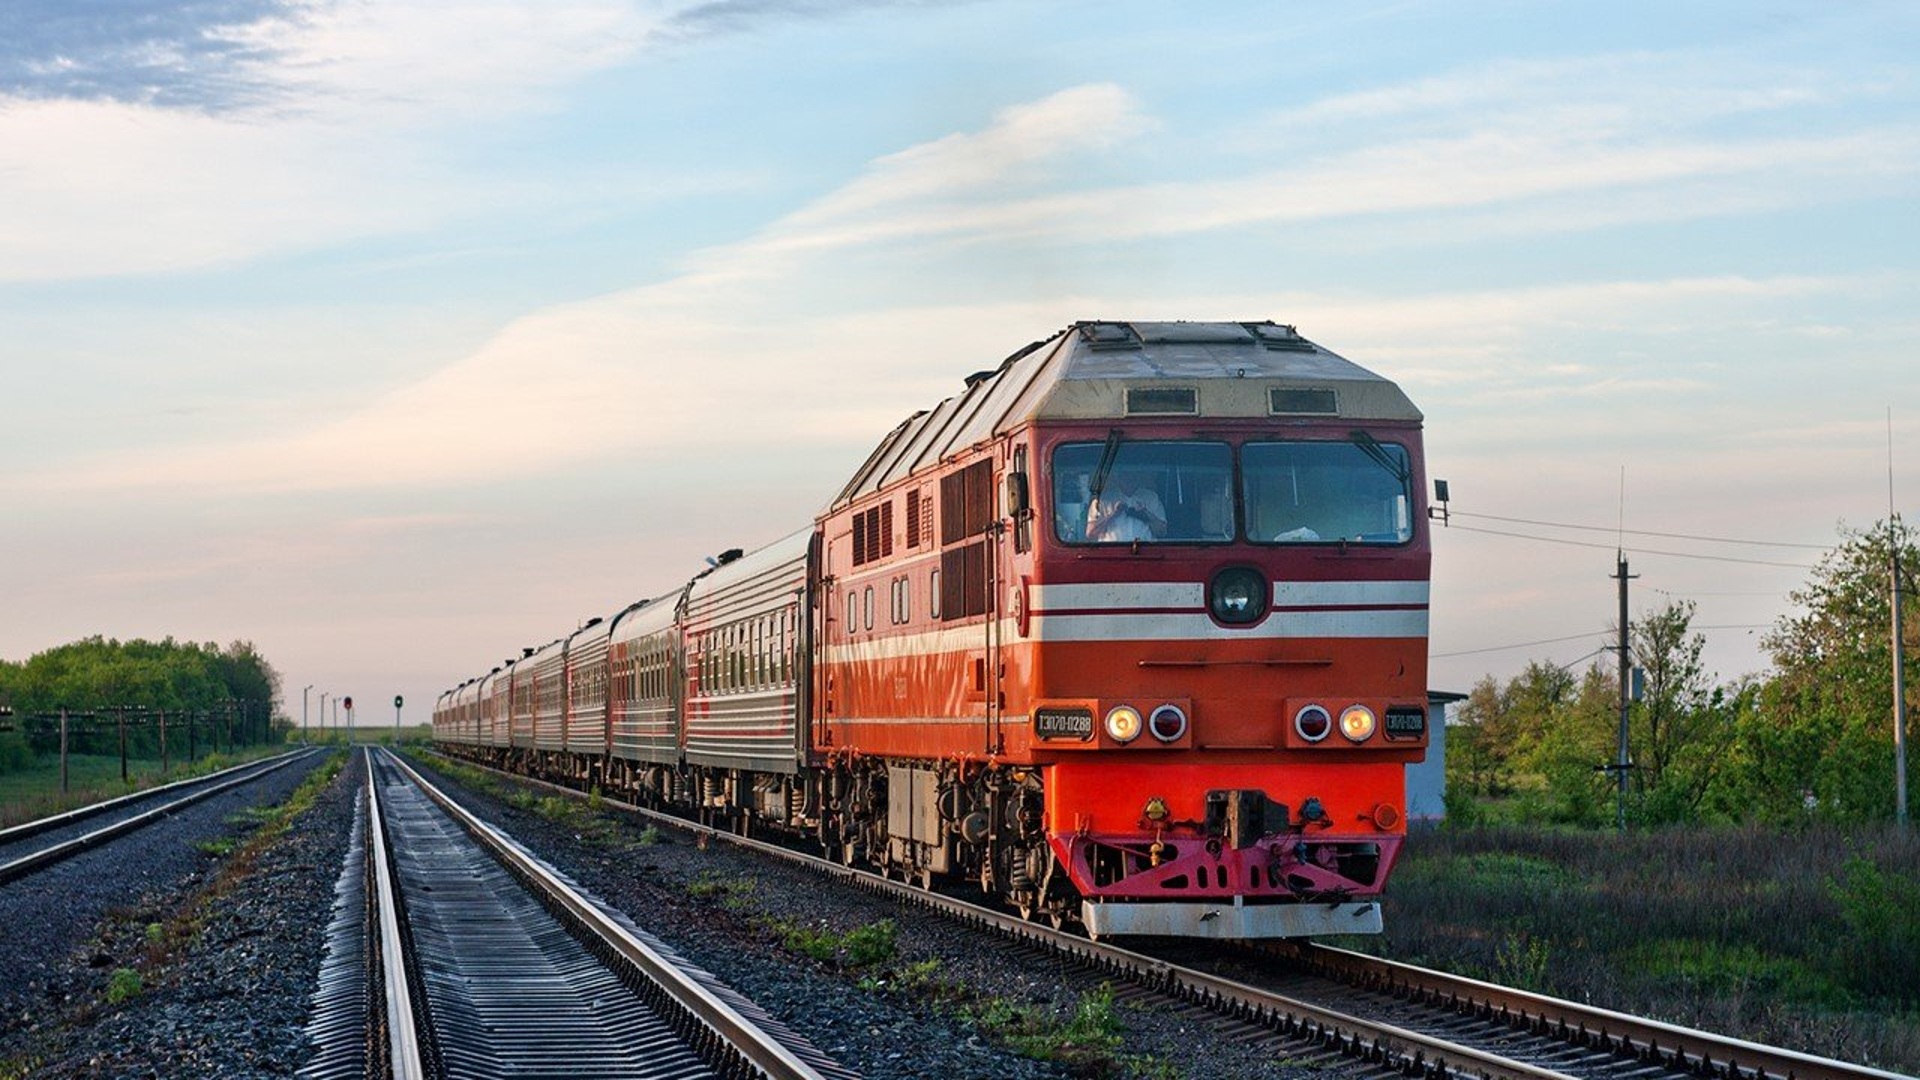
[227, 687]
[1808, 937]
[861, 947]
[1823, 746]
[1088, 1041]
[1709, 968]
[15, 754]
[1880, 957]
[219, 847]
[1808, 742]
[731, 892]
[124, 985]
[1521, 960]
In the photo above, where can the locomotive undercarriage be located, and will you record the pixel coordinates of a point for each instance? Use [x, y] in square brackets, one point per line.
[1250, 869]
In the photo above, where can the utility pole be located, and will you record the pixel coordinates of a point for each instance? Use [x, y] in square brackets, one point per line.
[1621, 761]
[1899, 643]
[1899, 683]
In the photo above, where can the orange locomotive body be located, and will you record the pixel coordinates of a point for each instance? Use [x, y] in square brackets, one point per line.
[1132, 632]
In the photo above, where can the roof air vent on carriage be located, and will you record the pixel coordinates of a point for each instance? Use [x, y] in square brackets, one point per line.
[1280, 338]
[1102, 336]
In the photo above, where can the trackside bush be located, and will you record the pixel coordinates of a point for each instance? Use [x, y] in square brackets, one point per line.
[1880, 955]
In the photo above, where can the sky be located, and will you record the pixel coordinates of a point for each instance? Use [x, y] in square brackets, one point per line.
[393, 337]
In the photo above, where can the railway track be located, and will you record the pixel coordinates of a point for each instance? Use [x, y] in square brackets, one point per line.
[1619, 1044]
[1379, 1016]
[35, 845]
[486, 962]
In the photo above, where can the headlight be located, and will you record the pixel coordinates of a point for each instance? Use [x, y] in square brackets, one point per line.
[1313, 723]
[1123, 723]
[1168, 723]
[1238, 595]
[1357, 722]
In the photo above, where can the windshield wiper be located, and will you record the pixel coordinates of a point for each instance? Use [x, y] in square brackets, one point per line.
[1107, 454]
[1372, 448]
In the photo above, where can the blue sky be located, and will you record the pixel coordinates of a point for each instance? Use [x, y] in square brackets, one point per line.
[395, 336]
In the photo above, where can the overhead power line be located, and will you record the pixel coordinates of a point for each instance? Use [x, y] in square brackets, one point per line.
[1640, 532]
[1520, 645]
[1636, 550]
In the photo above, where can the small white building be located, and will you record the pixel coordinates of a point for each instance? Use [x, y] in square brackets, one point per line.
[1427, 781]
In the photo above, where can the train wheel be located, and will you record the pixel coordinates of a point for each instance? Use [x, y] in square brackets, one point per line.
[923, 877]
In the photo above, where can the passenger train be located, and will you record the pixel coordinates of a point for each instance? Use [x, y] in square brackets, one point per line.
[1132, 632]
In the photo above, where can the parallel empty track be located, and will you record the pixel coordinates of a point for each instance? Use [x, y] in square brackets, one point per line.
[496, 966]
[36, 845]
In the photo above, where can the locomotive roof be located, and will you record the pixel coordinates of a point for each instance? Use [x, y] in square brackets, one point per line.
[1141, 371]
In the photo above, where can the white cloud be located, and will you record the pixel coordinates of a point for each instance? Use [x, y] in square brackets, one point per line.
[760, 343]
[331, 151]
[407, 60]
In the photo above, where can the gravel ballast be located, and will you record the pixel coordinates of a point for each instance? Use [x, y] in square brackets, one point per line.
[222, 993]
[722, 907]
[233, 998]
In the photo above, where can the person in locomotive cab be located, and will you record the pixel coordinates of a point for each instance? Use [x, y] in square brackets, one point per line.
[1128, 510]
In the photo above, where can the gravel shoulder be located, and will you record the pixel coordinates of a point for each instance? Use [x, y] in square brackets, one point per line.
[226, 959]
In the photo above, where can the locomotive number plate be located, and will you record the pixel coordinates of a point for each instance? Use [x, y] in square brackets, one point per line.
[1063, 723]
[1406, 723]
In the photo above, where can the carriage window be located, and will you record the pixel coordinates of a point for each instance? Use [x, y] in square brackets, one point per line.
[1127, 491]
[1321, 492]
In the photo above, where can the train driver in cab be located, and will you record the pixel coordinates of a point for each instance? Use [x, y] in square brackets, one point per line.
[1128, 509]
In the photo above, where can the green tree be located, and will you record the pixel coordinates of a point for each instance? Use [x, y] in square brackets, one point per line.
[98, 673]
[1477, 755]
[1821, 741]
[1581, 736]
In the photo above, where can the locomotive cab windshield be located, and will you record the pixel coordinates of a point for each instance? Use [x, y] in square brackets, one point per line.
[1161, 491]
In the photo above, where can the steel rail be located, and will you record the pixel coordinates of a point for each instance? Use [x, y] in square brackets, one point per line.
[1411, 1052]
[404, 1058]
[755, 1046]
[56, 821]
[47, 856]
[1682, 1049]
[1685, 1049]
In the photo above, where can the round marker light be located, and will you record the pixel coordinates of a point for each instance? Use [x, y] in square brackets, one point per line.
[1123, 723]
[1313, 723]
[1168, 723]
[1357, 723]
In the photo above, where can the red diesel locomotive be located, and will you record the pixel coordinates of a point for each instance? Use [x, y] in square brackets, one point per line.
[1133, 632]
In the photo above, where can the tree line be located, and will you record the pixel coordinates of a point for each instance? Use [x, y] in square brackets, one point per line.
[228, 693]
[1811, 739]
